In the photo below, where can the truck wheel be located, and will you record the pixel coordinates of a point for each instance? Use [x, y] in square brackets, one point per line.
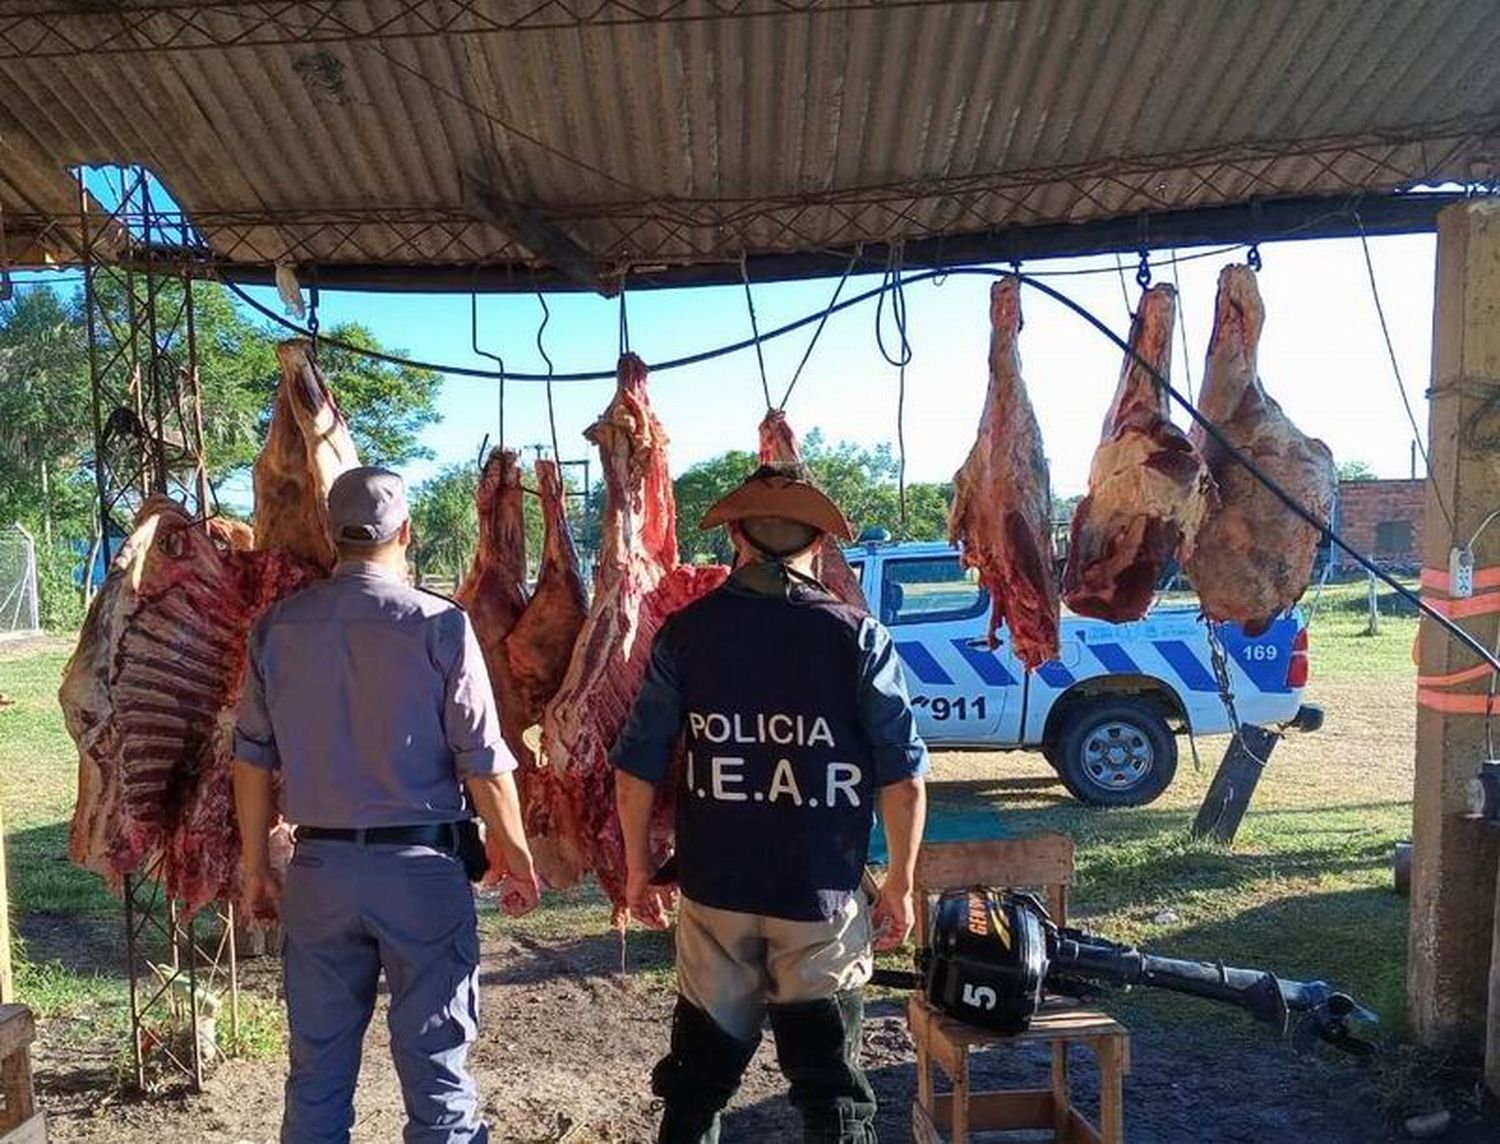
[1119, 753]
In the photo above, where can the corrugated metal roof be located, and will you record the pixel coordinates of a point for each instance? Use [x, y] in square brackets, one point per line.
[678, 132]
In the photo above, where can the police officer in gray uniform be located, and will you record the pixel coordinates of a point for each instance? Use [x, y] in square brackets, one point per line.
[797, 724]
[371, 700]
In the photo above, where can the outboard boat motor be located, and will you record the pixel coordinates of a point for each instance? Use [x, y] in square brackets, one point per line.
[994, 954]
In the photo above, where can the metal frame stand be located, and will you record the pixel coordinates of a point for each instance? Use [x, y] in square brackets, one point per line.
[148, 440]
[204, 960]
[143, 353]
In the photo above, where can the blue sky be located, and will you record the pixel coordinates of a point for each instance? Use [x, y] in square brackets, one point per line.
[1322, 357]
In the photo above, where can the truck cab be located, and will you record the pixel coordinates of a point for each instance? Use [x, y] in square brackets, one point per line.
[1107, 712]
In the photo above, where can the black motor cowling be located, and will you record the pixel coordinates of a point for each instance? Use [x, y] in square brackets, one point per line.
[988, 958]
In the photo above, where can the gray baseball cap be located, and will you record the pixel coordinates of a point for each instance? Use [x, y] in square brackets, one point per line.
[366, 505]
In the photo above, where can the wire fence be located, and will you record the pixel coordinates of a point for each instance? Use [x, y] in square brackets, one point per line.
[20, 610]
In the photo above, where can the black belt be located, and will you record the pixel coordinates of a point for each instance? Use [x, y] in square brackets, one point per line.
[440, 835]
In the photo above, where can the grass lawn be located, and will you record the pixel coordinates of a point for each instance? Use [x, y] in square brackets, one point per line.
[1305, 890]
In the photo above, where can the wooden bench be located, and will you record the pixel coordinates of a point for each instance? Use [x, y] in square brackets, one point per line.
[1044, 862]
[20, 1122]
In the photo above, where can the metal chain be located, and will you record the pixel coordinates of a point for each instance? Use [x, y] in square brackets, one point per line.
[312, 320]
[1220, 661]
[1143, 270]
[1252, 257]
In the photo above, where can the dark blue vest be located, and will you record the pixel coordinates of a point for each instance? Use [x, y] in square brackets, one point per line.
[775, 803]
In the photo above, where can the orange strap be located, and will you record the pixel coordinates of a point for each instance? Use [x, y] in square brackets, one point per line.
[1479, 671]
[1447, 703]
[1484, 605]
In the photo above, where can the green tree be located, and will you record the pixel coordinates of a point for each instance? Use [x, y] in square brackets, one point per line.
[445, 525]
[45, 427]
[1355, 471]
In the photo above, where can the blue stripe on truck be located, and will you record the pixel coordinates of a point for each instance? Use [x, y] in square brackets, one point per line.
[984, 663]
[920, 663]
[1114, 658]
[1055, 675]
[1189, 667]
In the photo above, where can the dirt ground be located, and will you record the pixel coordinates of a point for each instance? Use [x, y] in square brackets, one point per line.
[568, 1041]
[567, 1045]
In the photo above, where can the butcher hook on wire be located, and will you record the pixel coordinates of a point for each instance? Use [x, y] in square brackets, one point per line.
[542, 349]
[499, 370]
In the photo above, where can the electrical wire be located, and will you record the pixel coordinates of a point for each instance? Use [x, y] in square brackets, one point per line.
[1390, 349]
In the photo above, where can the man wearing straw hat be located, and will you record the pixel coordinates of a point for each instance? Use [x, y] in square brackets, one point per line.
[797, 723]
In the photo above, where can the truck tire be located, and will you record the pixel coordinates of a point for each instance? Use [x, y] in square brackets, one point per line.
[1115, 753]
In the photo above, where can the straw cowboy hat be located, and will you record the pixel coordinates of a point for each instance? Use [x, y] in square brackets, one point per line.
[780, 491]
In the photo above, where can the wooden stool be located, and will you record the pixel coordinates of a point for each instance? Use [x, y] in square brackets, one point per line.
[20, 1122]
[1044, 862]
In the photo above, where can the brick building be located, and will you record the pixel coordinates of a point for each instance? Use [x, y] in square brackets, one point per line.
[1382, 519]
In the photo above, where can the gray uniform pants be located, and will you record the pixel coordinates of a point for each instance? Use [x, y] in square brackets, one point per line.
[349, 911]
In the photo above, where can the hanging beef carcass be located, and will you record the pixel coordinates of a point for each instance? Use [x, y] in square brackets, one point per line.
[307, 448]
[151, 690]
[1253, 558]
[638, 582]
[778, 444]
[494, 591]
[1148, 487]
[1002, 506]
[149, 697]
[527, 643]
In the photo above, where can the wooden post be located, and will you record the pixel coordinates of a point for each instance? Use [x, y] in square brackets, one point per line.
[1492, 1036]
[7, 983]
[1234, 783]
[1372, 627]
[1453, 857]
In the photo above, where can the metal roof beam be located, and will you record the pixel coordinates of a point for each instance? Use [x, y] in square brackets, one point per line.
[65, 33]
[1271, 220]
[544, 239]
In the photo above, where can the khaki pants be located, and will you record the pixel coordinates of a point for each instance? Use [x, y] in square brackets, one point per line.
[732, 965]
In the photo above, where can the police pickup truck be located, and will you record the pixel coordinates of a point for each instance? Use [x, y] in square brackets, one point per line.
[1106, 713]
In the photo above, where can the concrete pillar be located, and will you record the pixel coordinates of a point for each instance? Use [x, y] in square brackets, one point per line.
[1454, 858]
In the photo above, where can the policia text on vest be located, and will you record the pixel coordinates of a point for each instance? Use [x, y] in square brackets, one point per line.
[723, 777]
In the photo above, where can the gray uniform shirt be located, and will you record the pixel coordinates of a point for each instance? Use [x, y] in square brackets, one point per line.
[372, 699]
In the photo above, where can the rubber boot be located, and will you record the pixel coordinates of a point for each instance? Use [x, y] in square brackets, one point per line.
[817, 1045]
[698, 1076]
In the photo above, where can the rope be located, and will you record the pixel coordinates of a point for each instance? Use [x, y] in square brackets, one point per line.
[542, 349]
[892, 282]
[1124, 290]
[624, 323]
[833, 307]
[760, 357]
[1390, 349]
[1187, 364]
